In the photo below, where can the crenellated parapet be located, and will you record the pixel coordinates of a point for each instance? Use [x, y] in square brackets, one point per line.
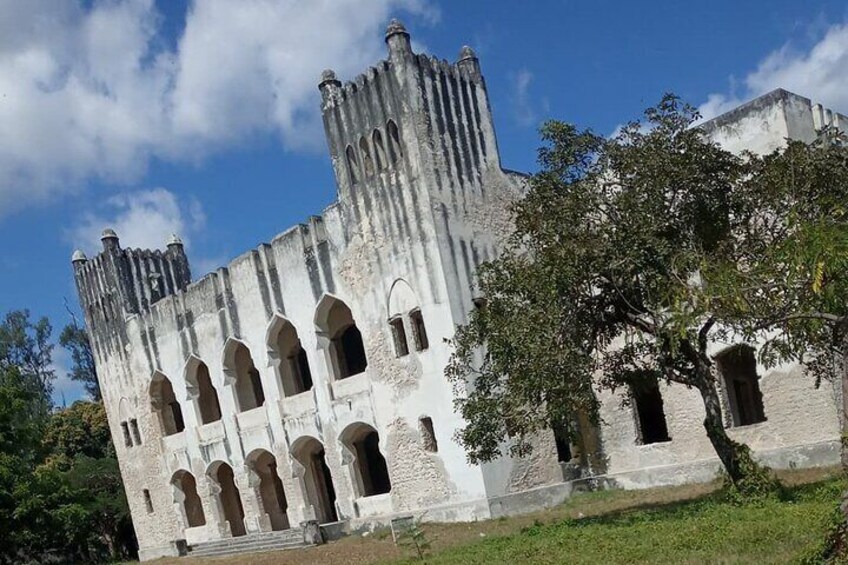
[119, 282]
[407, 113]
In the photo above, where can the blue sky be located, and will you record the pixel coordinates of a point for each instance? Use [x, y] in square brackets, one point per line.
[160, 116]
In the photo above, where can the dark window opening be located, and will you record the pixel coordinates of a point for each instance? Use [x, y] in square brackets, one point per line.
[135, 433]
[148, 502]
[185, 483]
[395, 152]
[125, 428]
[650, 413]
[372, 465]
[379, 150]
[177, 415]
[367, 163]
[399, 336]
[327, 486]
[738, 367]
[248, 384]
[428, 435]
[207, 400]
[352, 358]
[419, 332]
[256, 384]
[299, 367]
[563, 444]
[352, 165]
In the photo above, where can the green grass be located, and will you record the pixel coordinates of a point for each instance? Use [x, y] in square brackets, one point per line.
[706, 530]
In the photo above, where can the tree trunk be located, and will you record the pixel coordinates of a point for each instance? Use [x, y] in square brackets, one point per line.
[733, 455]
[844, 415]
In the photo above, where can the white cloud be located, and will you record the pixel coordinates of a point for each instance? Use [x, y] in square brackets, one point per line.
[94, 93]
[525, 114]
[143, 219]
[818, 73]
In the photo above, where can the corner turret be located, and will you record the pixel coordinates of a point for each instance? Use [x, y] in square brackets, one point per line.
[397, 38]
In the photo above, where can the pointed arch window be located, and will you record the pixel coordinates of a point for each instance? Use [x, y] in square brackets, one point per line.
[365, 151]
[379, 150]
[395, 151]
[352, 165]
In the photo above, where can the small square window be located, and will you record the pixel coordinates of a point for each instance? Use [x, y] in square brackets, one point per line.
[399, 335]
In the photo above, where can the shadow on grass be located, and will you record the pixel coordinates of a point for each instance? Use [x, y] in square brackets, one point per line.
[825, 490]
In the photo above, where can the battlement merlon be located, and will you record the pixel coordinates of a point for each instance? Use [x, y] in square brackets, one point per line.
[119, 282]
[422, 104]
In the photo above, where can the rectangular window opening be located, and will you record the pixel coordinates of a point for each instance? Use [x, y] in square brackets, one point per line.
[650, 413]
[738, 368]
[148, 502]
[399, 336]
[428, 435]
[125, 427]
[135, 433]
[419, 332]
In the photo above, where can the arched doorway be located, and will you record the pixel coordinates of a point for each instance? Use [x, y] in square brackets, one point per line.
[165, 405]
[270, 488]
[202, 392]
[347, 352]
[317, 480]
[185, 494]
[371, 474]
[247, 384]
[229, 500]
[290, 358]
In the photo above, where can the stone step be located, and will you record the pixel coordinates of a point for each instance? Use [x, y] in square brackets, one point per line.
[268, 541]
[243, 549]
[295, 535]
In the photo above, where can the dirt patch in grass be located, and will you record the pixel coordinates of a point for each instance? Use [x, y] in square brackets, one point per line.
[671, 524]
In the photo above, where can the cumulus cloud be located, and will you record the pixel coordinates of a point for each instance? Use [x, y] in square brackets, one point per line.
[92, 90]
[818, 73]
[143, 219]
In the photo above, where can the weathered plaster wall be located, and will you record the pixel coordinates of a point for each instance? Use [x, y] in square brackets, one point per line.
[423, 221]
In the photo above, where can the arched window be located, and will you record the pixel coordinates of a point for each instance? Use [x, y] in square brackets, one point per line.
[270, 489]
[352, 165]
[367, 163]
[229, 499]
[317, 479]
[185, 495]
[165, 405]
[738, 369]
[347, 352]
[379, 150]
[369, 466]
[201, 390]
[290, 358]
[395, 151]
[243, 375]
[404, 309]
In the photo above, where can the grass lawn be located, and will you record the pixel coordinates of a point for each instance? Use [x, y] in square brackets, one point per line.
[689, 524]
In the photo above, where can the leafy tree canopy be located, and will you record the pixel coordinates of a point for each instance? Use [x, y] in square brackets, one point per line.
[631, 261]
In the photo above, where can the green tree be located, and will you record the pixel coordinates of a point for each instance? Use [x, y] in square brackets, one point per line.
[74, 338]
[602, 283]
[79, 430]
[25, 347]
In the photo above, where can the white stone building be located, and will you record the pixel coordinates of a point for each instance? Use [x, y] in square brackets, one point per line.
[304, 381]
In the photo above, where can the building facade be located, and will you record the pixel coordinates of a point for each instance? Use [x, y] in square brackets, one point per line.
[304, 381]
